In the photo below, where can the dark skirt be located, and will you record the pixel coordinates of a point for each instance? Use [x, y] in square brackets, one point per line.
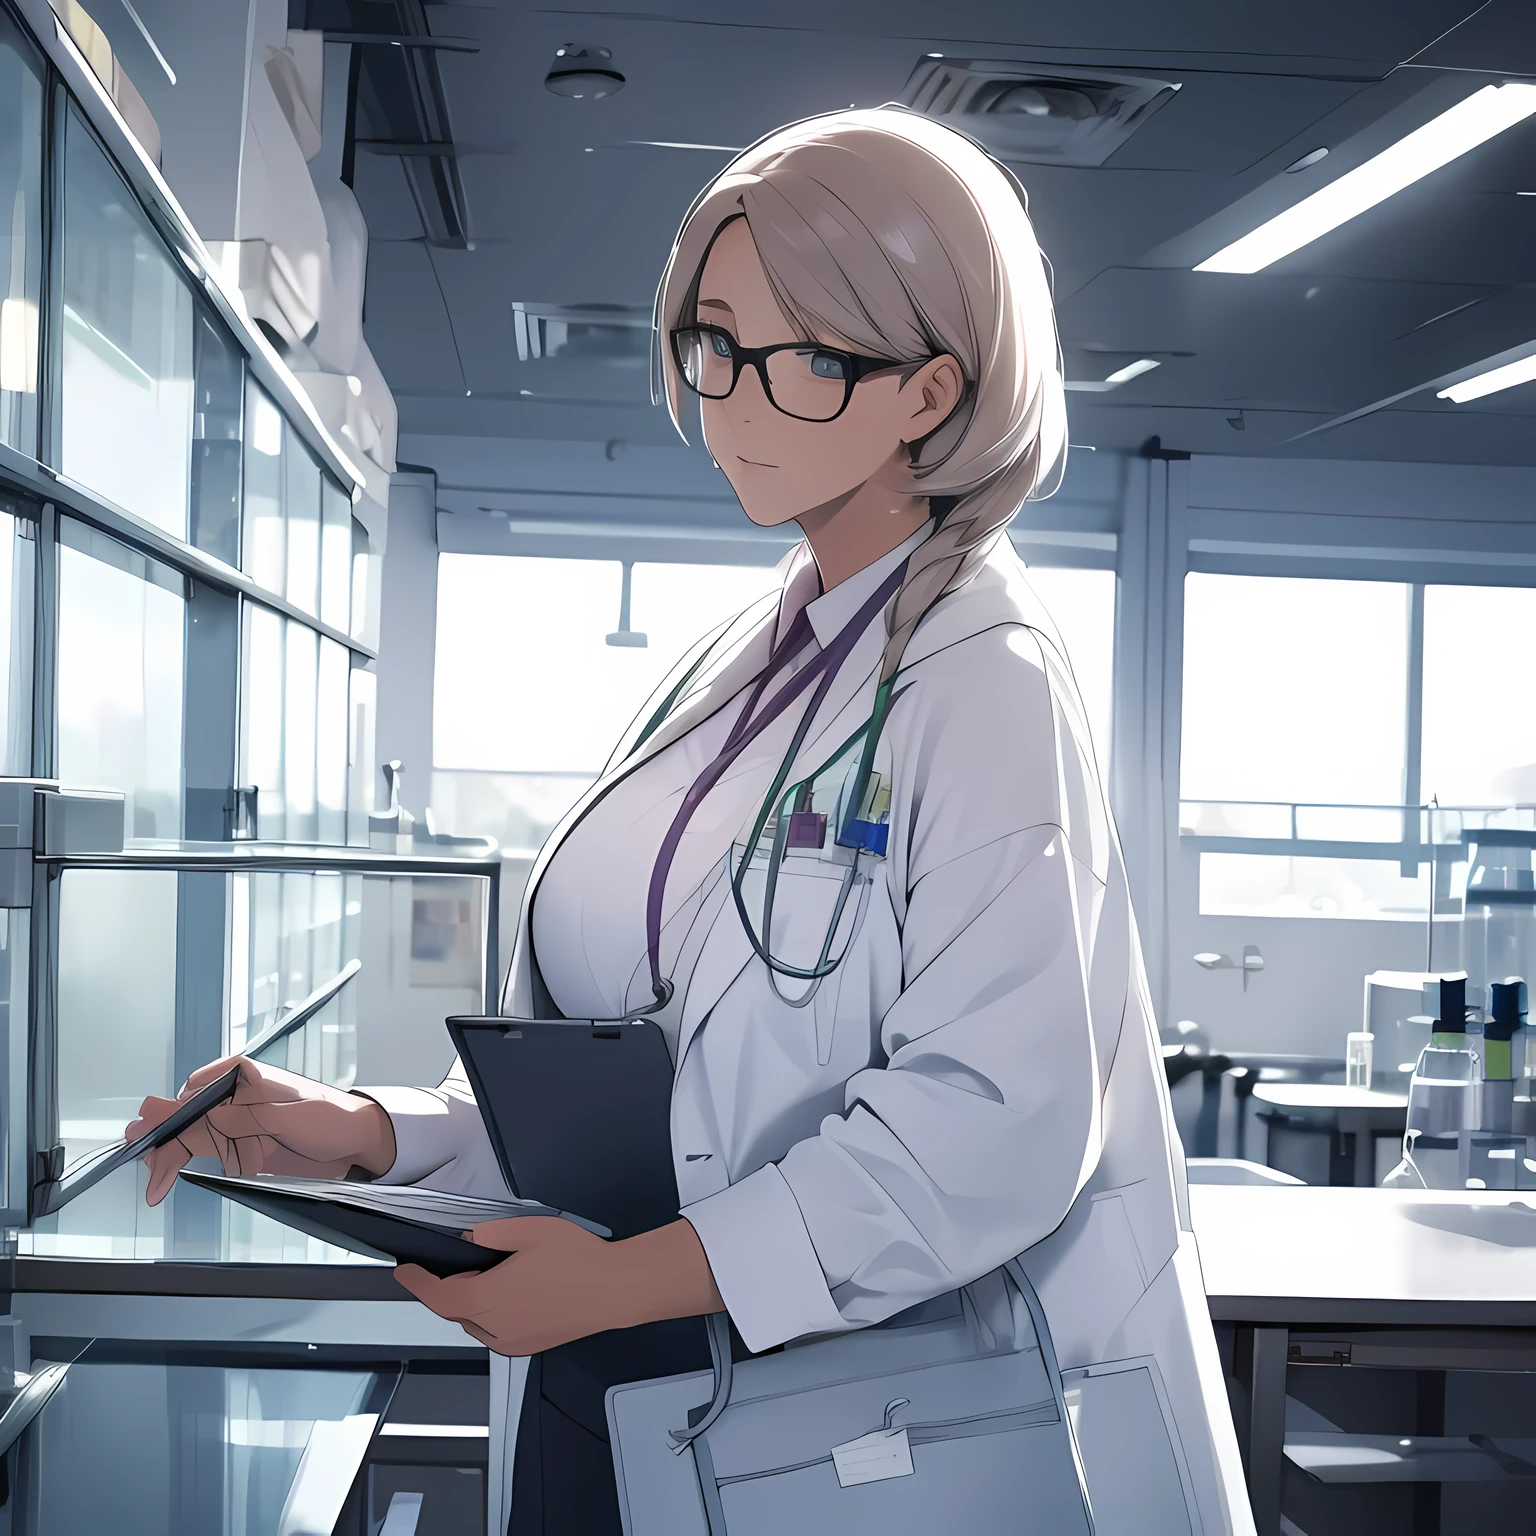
[562, 1468]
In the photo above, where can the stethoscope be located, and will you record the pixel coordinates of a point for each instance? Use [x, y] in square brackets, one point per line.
[856, 828]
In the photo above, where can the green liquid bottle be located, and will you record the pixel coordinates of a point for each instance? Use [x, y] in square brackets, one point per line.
[1506, 1015]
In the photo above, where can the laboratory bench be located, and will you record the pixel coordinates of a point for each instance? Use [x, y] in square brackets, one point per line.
[1380, 1347]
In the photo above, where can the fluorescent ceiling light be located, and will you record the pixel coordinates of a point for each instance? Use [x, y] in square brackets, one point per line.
[1490, 383]
[1118, 377]
[1480, 117]
[729, 149]
[1132, 371]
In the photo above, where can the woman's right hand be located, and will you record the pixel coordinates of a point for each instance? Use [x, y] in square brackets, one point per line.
[276, 1122]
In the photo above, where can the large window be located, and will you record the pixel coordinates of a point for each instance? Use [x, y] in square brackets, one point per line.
[519, 641]
[1479, 729]
[1294, 690]
[1081, 601]
[298, 521]
[161, 680]
[1324, 712]
[126, 410]
[294, 729]
[122, 637]
[21, 226]
[537, 676]
[216, 456]
[18, 567]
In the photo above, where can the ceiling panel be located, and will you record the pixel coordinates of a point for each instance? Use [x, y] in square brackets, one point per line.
[566, 208]
[1336, 33]
[1224, 123]
[1258, 339]
[1497, 35]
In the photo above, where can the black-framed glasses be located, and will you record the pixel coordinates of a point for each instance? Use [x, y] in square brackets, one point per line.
[807, 382]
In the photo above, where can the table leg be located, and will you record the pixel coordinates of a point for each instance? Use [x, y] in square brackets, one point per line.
[1357, 1124]
[1428, 1419]
[1266, 1426]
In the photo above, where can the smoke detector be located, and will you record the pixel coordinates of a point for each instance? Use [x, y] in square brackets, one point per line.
[582, 70]
[606, 333]
[1037, 112]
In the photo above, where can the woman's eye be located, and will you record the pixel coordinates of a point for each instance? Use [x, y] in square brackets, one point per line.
[722, 347]
[827, 365]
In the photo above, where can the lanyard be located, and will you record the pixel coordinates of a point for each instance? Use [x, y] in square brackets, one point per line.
[822, 669]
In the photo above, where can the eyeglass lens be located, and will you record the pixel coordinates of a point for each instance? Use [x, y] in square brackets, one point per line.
[808, 382]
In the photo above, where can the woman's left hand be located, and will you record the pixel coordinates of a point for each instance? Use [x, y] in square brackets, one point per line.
[562, 1282]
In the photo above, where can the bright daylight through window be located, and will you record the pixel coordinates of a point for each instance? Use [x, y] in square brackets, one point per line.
[1296, 711]
[533, 687]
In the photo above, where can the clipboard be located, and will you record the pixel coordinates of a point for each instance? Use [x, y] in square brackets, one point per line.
[579, 1113]
[381, 1221]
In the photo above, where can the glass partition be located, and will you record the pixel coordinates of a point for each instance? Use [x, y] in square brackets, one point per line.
[18, 586]
[362, 716]
[216, 449]
[121, 671]
[167, 961]
[15, 1088]
[335, 557]
[294, 729]
[169, 1448]
[301, 507]
[291, 933]
[297, 519]
[126, 405]
[21, 236]
[262, 555]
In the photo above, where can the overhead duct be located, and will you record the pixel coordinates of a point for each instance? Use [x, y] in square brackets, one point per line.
[399, 87]
[1036, 112]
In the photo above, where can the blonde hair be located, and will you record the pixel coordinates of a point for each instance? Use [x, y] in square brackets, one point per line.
[902, 238]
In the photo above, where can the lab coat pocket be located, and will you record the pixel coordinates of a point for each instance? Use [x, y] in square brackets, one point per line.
[803, 913]
[1138, 1479]
[1108, 1278]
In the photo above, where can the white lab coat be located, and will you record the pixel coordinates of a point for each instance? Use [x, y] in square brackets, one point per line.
[981, 1078]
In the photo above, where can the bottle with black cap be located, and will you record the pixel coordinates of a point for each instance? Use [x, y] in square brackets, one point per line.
[1506, 1005]
[1444, 1100]
[1450, 1028]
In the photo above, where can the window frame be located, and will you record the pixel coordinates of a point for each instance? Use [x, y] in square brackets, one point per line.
[1340, 519]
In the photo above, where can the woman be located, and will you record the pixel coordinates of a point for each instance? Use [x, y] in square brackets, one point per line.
[890, 1081]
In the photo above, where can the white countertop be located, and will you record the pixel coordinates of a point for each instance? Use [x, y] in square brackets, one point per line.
[1288, 1241]
[1330, 1096]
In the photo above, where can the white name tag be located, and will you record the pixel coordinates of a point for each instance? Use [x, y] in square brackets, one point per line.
[873, 1457]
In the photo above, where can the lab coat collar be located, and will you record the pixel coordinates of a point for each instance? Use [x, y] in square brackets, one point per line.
[833, 609]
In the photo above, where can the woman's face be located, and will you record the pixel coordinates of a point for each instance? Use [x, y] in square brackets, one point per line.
[781, 466]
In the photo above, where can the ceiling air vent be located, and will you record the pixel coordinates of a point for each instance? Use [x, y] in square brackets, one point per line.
[604, 333]
[1036, 111]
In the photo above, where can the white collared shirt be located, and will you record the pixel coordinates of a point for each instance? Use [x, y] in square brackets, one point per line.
[588, 919]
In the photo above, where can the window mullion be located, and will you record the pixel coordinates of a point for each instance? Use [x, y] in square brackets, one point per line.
[1413, 734]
